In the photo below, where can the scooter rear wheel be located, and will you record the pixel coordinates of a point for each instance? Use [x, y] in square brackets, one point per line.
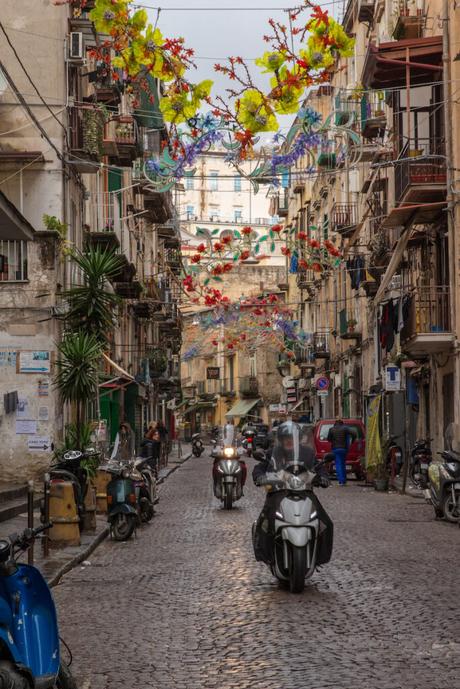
[123, 527]
[450, 509]
[10, 678]
[297, 569]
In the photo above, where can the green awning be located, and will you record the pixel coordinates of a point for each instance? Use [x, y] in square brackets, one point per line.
[199, 405]
[242, 407]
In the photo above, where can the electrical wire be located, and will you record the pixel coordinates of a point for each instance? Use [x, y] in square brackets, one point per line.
[15, 52]
[28, 124]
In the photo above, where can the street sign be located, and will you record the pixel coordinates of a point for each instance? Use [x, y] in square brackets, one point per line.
[288, 382]
[213, 373]
[39, 443]
[322, 393]
[322, 383]
[392, 379]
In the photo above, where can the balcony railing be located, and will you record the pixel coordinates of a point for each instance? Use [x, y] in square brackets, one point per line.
[321, 348]
[249, 386]
[422, 165]
[227, 387]
[303, 355]
[428, 311]
[411, 21]
[373, 117]
[13, 260]
[121, 140]
[86, 132]
[283, 203]
[344, 218]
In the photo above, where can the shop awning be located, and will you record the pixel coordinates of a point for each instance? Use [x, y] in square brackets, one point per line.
[197, 406]
[121, 380]
[242, 407]
[13, 224]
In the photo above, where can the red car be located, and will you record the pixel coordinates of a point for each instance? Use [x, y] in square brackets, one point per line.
[356, 451]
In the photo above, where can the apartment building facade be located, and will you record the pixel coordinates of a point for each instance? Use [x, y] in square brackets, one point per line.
[72, 148]
[385, 321]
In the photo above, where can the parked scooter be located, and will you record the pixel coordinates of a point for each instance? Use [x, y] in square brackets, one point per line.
[29, 636]
[421, 458]
[444, 490]
[123, 511]
[394, 457]
[249, 441]
[146, 488]
[197, 445]
[228, 473]
[69, 468]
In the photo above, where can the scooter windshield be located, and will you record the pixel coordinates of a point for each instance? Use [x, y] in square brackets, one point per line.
[287, 448]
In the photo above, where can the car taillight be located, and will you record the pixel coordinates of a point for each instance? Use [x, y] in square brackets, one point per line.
[132, 498]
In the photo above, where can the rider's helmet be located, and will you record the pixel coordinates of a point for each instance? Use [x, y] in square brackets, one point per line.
[287, 443]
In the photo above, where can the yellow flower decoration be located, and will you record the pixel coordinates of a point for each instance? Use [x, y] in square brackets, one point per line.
[255, 114]
[272, 61]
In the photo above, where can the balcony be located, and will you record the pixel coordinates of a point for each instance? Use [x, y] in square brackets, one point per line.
[305, 279]
[344, 217]
[427, 329]
[321, 348]
[373, 117]
[104, 226]
[327, 156]
[86, 132]
[391, 64]
[131, 289]
[366, 10]
[421, 175]
[249, 386]
[121, 141]
[282, 203]
[227, 388]
[303, 355]
[173, 259]
[348, 327]
[410, 23]
[160, 210]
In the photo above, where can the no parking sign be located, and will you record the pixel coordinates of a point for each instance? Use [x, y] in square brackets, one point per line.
[322, 385]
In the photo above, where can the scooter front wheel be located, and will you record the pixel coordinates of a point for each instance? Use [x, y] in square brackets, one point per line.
[228, 497]
[10, 678]
[450, 508]
[123, 527]
[297, 569]
[65, 679]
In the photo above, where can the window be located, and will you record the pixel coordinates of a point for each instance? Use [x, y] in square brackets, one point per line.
[253, 365]
[13, 260]
[231, 372]
[237, 186]
[326, 427]
[214, 182]
[190, 212]
[214, 212]
[189, 183]
[238, 215]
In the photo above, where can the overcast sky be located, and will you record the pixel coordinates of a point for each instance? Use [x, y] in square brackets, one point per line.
[215, 35]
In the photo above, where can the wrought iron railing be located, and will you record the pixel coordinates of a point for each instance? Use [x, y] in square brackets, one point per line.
[344, 217]
[420, 162]
[427, 310]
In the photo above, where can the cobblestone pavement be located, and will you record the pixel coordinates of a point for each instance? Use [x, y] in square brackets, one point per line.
[185, 605]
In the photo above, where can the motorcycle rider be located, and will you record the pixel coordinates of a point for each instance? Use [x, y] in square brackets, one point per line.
[284, 452]
[228, 440]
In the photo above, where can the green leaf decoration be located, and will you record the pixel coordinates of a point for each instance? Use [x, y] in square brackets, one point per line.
[236, 234]
[207, 281]
[272, 247]
[167, 158]
[231, 146]
[236, 257]
[189, 173]
[271, 234]
[201, 232]
[216, 278]
[263, 238]
[257, 248]
[214, 232]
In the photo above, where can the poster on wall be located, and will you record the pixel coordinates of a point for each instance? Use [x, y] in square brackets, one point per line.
[26, 427]
[34, 362]
[22, 410]
[43, 414]
[43, 388]
[8, 358]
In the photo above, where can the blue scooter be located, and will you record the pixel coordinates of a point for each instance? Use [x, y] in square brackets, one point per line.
[29, 637]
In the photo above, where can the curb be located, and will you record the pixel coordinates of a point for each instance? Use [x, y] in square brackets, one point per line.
[79, 557]
[84, 554]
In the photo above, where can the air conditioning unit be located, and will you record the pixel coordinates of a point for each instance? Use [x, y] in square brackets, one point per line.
[76, 46]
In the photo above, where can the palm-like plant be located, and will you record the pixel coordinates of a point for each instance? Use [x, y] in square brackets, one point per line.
[92, 305]
[77, 368]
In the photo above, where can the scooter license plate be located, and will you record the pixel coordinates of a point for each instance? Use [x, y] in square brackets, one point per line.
[423, 466]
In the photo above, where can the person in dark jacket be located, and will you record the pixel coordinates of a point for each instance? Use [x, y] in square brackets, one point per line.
[283, 454]
[150, 448]
[163, 431]
[340, 436]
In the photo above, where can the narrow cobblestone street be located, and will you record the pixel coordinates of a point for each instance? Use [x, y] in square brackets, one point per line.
[185, 605]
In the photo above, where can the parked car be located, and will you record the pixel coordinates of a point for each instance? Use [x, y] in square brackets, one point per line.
[356, 451]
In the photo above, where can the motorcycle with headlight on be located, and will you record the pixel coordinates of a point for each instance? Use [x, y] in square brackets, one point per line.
[229, 473]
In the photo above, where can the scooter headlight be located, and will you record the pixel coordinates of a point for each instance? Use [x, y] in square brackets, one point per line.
[296, 483]
[229, 451]
[126, 472]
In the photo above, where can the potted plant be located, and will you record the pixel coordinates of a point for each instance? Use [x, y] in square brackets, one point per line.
[157, 362]
[351, 325]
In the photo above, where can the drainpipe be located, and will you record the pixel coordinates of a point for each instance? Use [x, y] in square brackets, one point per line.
[446, 60]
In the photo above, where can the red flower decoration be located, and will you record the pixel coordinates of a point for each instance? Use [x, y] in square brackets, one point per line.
[245, 254]
[317, 267]
[314, 244]
[302, 235]
[226, 240]
[273, 298]
[285, 251]
[228, 267]
[247, 230]
[303, 264]
[215, 343]
[218, 269]
[218, 247]
[196, 258]
[277, 228]
[201, 248]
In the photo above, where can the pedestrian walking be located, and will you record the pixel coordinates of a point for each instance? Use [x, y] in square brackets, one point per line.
[163, 433]
[340, 437]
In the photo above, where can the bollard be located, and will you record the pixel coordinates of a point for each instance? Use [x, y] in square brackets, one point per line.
[100, 482]
[30, 518]
[89, 519]
[46, 514]
[64, 515]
